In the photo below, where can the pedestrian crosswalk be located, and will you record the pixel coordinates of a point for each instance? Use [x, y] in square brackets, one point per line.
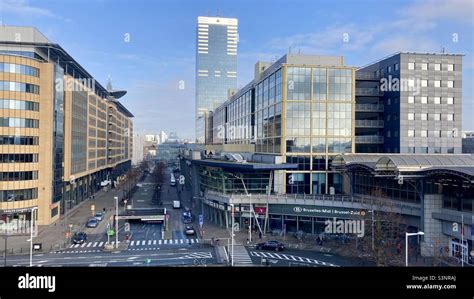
[241, 256]
[291, 258]
[153, 244]
[97, 246]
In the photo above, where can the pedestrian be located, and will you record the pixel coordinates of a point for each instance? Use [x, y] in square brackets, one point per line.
[260, 235]
[104, 210]
[399, 248]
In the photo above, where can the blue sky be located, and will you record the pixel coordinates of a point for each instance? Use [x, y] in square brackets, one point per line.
[161, 50]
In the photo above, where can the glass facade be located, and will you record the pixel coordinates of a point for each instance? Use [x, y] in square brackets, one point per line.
[319, 114]
[19, 69]
[19, 140]
[58, 136]
[19, 87]
[19, 105]
[216, 64]
[15, 122]
[17, 195]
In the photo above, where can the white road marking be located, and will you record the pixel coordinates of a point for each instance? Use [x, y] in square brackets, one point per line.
[89, 244]
[100, 244]
[166, 241]
[159, 242]
[192, 241]
[149, 242]
[181, 241]
[132, 243]
[154, 242]
[95, 244]
[83, 245]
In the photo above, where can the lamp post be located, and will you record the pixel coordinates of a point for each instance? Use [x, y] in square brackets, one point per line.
[31, 235]
[116, 221]
[232, 234]
[406, 244]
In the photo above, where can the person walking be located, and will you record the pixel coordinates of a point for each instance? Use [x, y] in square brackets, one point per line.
[260, 235]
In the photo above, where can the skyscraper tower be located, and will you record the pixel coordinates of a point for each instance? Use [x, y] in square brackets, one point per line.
[216, 66]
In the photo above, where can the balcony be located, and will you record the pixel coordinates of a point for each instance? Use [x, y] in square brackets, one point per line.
[368, 92]
[366, 76]
[369, 107]
[369, 139]
[369, 123]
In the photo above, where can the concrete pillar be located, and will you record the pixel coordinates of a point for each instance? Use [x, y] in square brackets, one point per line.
[432, 227]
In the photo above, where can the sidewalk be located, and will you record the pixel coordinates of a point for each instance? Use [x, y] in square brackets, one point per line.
[53, 236]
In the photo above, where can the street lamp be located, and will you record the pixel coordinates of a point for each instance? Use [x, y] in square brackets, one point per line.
[232, 234]
[31, 235]
[406, 244]
[116, 221]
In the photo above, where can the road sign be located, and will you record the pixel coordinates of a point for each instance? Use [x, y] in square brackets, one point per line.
[236, 227]
[110, 232]
[201, 219]
[181, 179]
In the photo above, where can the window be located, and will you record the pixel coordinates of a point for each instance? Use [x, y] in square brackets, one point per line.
[450, 150]
[436, 116]
[424, 83]
[437, 150]
[389, 134]
[437, 100]
[437, 83]
[449, 117]
[396, 66]
[411, 149]
[424, 100]
[411, 133]
[450, 67]
[389, 69]
[450, 84]
[424, 66]
[395, 134]
[388, 117]
[411, 65]
[435, 133]
[388, 102]
[411, 83]
[423, 133]
[437, 67]
[449, 101]
[411, 100]
[411, 116]
[423, 116]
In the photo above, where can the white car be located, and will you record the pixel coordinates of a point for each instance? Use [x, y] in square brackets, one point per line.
[189, 230]
[176, 204]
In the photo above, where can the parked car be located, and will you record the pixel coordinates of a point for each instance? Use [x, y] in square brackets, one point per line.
[189, 230]
[79, 238]
[99, 216]
[92, 223]
[187, 219]
[271, 245]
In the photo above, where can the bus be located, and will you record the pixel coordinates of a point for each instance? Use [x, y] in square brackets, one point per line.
[173, 180]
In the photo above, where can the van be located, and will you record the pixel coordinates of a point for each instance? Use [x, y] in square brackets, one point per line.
[176, 204]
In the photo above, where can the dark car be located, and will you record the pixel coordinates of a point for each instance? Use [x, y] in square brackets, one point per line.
[271, 245]
[79, 238]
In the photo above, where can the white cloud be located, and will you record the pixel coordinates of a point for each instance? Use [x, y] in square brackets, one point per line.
[437, 10]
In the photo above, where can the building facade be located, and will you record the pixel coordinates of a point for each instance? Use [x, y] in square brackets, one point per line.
[61, 132]
[300, 108]
[410, 103]
[216, 66]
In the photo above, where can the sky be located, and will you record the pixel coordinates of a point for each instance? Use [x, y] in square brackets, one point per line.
[148, 46]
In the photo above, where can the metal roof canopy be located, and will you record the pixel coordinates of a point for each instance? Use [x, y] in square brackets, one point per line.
[413, 165]
[245, 166]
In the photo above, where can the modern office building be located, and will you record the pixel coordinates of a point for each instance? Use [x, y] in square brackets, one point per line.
[138, 149]
[468, 142]
[299, 108]
[216, 66]
[61, 132]
[410, 103]
[291, 144]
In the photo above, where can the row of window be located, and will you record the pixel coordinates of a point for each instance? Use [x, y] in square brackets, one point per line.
[15, 122]
[19, 140]
[431, 116]
[424, 100]
[18, 158]
[18, 69]
[426, 150]
[19, 176]
[430, 133]
[432, 83]
[17, 195]
[19, 105]
[19, 86]
[432, 66]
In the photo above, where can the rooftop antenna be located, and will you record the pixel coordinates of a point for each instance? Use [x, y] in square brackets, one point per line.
[442, 49]
[109, 82]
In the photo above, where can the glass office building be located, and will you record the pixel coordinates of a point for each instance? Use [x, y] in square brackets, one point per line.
[299, 108]
[216, 66]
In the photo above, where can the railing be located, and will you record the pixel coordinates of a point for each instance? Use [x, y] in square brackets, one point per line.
[369, 123]
[366, 76]
[370, 107]
[369, 139]
[364, 91]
